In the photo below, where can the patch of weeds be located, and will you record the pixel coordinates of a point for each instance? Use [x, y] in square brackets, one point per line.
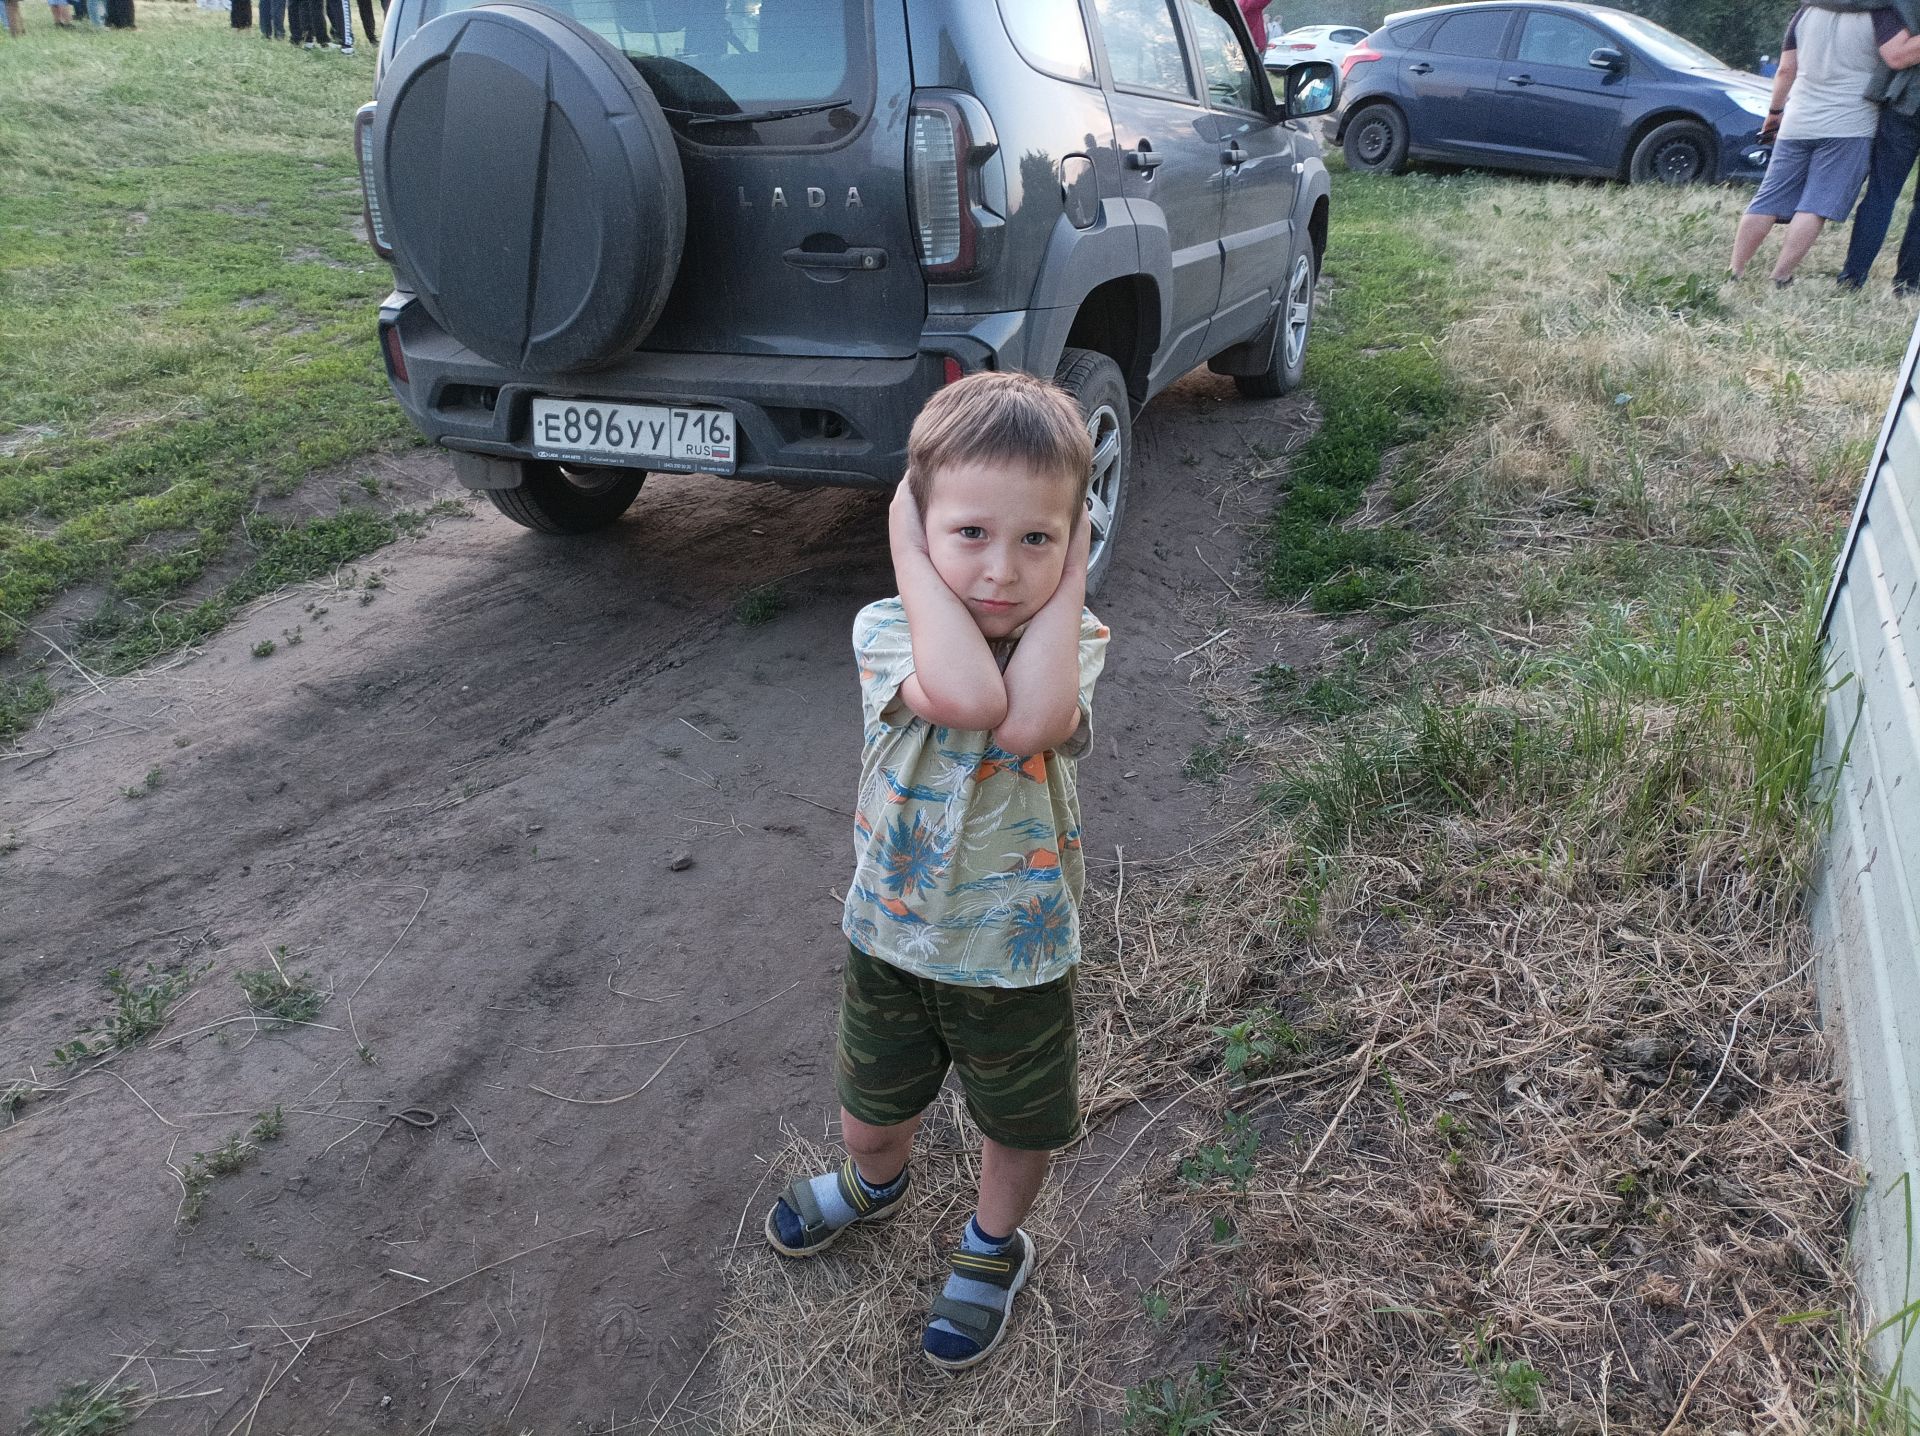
[365, 1054]
[22, 701]
[1208, 762]
[146, 785]
[1258, 1043]
[1681, 295]
[282, 998]
[139, 1010]
[1156, 1306]
[1231, 1159]
[1178, 1408]
[1457, 1134]
[1277, 682]
[196, 1182]
[84, 1411]
[1516, 1380]
[268, 1126]
[1379, 382]
[291, 638]
[264, 648]
[759, 605]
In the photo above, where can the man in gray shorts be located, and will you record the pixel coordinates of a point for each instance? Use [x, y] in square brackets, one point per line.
[1823, 124]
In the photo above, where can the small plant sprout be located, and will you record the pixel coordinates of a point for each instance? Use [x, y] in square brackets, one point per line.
[146, 785]
[1256, 1043]
[1231, 1158]
[1178, 1408]
[1155, 1305]
[759, 605]
[264, 648]
[268, 1126]
[83, 1410]
[276, 995]
[140, 1007]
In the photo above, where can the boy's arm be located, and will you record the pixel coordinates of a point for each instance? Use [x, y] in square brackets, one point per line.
[955, 683]
[1043, 677]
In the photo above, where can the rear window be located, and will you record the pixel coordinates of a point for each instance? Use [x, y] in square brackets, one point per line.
[708, 59]
[1476, 34]
[1410, 34]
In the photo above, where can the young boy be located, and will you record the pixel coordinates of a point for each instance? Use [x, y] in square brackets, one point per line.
[963, 913]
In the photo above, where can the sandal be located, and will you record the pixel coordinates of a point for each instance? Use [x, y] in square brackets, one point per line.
[986, 1326]
[817, 1233]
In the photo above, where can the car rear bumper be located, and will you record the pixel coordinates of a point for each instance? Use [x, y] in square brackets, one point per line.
[798, 420]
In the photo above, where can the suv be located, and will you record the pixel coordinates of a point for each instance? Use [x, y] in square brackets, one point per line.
[751, 237]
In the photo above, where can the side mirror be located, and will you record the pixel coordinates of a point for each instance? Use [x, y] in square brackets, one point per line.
[1313, 88]
[1607, 58]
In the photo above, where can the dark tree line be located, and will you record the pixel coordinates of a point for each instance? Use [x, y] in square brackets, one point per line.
[1738, 31]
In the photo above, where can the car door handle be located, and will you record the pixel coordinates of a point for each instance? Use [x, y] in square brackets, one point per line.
[1521, 80]
[857, 258]
[1233, 155]
[1423, 68]
[1143, 158]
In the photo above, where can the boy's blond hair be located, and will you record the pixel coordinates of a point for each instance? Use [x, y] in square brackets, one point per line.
[1011, 417]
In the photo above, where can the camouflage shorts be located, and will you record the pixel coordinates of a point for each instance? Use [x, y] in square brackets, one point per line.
[1014, 1048]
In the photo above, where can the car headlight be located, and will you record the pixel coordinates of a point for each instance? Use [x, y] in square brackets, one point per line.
[1748, 100]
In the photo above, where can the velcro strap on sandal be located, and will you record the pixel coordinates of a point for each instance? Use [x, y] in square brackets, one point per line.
[998, 1270]
[852, 1193]
[969, 1318]
[800, 1198]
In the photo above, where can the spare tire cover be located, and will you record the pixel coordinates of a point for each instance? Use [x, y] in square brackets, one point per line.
[532, 186]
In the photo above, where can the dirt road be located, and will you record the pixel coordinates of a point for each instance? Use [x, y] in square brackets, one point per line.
[538, 815]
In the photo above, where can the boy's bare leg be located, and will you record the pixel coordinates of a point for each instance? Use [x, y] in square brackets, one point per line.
[1010, 1179]
[1747, 239]
[1801, 234]
[879, 1152]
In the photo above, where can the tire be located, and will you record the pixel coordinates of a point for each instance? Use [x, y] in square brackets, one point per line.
[566, 499]
[531, 186]
[1287, 361]
[1097, 387]
[1678, 152]
[1376, 141]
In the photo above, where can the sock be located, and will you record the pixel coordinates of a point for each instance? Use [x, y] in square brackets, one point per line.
[942, 1339]
[826, 1191]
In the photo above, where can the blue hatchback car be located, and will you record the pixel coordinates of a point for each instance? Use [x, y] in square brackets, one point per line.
[1553, 88]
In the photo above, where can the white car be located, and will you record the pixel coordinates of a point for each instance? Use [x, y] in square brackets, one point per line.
[1312, 42]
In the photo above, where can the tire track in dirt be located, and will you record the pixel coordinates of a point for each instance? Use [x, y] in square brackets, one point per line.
[478, 787]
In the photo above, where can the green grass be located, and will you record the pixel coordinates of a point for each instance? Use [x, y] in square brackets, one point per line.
[140, 1009]
[186, 324]
[84, 1411]
[1373, 370]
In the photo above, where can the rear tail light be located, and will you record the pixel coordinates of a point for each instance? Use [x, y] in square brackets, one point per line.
[943, 220]
[1307, 46]
[376, 220]
[1360, 56]
[951, 371]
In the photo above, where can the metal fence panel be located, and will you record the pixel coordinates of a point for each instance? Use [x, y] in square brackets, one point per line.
[1866, 901]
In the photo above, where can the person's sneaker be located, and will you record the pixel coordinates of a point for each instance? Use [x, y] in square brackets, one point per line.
[346, 49]
[1905, 288]
[310, 46]
[1786, 283]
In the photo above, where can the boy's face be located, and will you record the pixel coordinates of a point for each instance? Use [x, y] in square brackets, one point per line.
[997, 534]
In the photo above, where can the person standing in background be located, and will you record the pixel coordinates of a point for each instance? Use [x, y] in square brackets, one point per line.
[366, 21]
[273, 19]
[1255, 12]
[16, 26]
[1896, 144]
[338, 14]
[240, 14]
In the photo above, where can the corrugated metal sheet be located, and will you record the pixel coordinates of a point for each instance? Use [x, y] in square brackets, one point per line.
[1866, 909]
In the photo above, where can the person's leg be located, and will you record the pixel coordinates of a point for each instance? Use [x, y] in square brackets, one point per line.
[1017, 1057]
[16, 26]
[889, 1064]
[1747, 239]
[366, 21]
[1801, 233]
[1895, 145]
[1010, 1180]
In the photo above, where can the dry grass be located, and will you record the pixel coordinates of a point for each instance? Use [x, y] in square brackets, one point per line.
[1533, 1128]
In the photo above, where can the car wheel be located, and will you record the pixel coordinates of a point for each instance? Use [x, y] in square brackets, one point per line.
[1095, 382]
[1287, 363]
[1678, 152]
[1377, 141]
[568, 498]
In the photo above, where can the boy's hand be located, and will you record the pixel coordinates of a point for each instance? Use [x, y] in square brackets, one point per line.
[906, 529]
[1080, 545]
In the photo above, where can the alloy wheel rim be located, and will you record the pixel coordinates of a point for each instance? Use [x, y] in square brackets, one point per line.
[1103, 487]
[1299, 310]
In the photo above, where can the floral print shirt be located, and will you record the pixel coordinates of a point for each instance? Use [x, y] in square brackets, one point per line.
[967, 861]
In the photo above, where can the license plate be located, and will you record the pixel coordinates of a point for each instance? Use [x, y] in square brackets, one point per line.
[680, 440]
